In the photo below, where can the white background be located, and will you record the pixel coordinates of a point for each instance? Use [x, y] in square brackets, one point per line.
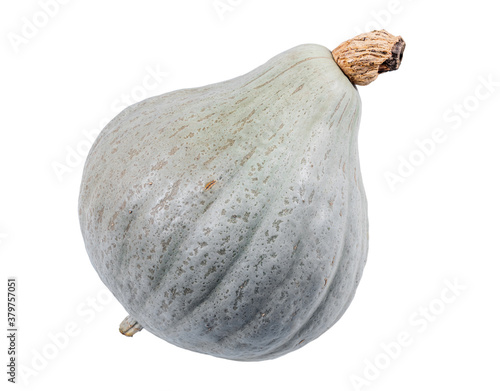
[69, 66]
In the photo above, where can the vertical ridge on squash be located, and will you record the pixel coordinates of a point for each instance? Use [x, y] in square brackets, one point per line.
[231, 219]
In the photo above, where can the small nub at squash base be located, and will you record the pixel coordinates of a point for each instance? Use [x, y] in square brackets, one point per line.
[129, 326]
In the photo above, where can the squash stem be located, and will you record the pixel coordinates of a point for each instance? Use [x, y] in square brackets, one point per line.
[365, 56]
[129, 326]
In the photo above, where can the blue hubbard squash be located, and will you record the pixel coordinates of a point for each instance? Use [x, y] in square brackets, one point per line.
[231, 219]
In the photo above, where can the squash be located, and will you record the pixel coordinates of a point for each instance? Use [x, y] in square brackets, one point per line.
[231, 219]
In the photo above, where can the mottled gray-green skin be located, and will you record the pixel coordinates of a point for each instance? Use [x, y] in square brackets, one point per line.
[269, 257]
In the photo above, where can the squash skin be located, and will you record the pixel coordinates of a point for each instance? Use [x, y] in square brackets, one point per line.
[269, 256]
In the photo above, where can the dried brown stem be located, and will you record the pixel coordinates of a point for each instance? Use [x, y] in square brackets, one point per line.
[365, 56]
[129, 326]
